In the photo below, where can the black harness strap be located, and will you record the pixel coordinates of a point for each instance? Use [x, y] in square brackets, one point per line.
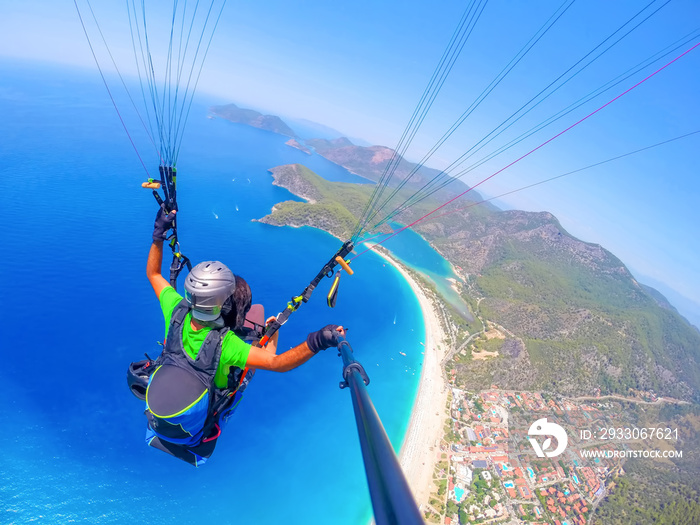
[168, 181]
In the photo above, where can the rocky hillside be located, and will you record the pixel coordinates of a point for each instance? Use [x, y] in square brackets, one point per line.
[293, 143]
[581, 318]
[370, 162]
[252, 118]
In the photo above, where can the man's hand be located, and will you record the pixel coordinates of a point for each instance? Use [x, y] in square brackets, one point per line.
[163, 224]
[324, 338]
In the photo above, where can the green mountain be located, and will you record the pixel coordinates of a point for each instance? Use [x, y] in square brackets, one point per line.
[331, 206]
[578, 316]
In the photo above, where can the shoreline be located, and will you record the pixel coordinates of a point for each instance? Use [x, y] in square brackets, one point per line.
[420, 450]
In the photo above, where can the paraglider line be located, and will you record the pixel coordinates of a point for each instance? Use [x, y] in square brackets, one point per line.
[108, 90]
[533, 150]
[568, 173]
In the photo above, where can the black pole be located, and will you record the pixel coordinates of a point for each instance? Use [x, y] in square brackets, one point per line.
[392, 500]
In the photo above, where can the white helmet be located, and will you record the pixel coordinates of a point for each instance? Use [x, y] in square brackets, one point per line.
[207, 286]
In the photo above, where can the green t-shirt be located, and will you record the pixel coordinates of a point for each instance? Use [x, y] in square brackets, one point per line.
[234, 352]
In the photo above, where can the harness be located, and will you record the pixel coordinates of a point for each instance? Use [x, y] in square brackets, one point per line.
[184, 407]
[186, 411]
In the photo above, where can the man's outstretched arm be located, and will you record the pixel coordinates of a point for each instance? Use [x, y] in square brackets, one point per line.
[155, 257]
[300, 354]
[292, 358]
[153, 268]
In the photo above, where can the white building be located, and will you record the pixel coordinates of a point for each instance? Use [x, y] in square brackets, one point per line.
[464, 473]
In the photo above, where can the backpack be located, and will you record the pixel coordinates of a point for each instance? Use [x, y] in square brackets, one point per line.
[181, 391]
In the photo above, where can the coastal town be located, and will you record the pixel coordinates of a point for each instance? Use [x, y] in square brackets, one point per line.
[488, 471]
[476, 461]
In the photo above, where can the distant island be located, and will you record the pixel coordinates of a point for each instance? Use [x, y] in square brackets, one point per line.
[253, 118]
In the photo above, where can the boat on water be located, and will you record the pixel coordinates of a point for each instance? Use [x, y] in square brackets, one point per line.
[402, 353]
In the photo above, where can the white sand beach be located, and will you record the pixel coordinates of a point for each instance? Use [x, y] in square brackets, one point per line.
[421, 447]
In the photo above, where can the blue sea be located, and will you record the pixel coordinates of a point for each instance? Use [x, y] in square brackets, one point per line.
[77, 308]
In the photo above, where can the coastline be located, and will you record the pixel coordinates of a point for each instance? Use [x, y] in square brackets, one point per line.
[420, 450]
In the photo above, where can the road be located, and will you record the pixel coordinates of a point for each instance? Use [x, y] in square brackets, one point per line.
[632, 400]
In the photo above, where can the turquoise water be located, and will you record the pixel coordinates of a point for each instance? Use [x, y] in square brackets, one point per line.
[415, 251]
[75, 235]
[409, 246]
[459, 494]
[508, 484]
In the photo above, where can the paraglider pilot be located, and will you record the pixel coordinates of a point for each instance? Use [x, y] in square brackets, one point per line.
[209, 355]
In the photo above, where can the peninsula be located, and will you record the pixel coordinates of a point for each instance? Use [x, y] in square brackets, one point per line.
[293, 143]
[252, 118]
[374, 162]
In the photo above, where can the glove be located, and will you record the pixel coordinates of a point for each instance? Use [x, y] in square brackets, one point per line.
[323, 338]
[163, 224]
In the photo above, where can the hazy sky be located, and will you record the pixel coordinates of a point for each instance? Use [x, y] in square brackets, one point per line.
[360, 67]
